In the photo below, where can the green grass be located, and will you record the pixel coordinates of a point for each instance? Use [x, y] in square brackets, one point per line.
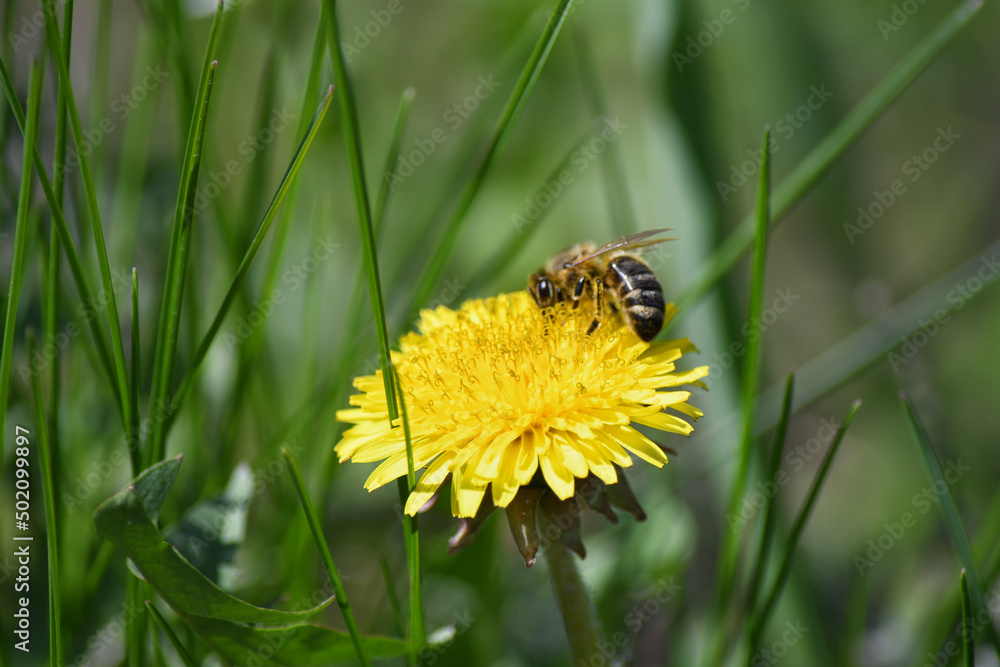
[193, 348]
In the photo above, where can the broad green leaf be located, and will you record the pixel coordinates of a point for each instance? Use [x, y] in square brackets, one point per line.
[124, 519]
[211, 531]
[297, 645]
[154, 483]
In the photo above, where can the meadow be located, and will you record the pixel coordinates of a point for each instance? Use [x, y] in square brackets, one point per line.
[214, 218]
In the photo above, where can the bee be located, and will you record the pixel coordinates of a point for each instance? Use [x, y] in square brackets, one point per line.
[584, 272]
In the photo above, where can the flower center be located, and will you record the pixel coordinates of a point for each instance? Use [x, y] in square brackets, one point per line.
[506, 359]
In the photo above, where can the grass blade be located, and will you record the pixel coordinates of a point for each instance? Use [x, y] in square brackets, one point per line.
[623, 218]
[102, 55]
[86, 297]
[524, 227]
[431, 276]
[929, 309]
[952, 520]
[20, 239]
[48, 500]
[94, 214]
[133, 159]
[774, 464]
[854, 621]
[416, 619]
[352, 140]
[351, 349]
[133, 396]
[162, 22]
[347, 354]
[172, 637]
[324, 552]
[180, 247]
[52, 294]
[310, 100]
[807, 172]
[354, 308]
[206, 342]
[760, 619]
[391, 160]
[968, 639]
[390, 591]
[949, 608]
[749, 389]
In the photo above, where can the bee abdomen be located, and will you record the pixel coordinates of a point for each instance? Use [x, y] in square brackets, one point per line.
[639, 294]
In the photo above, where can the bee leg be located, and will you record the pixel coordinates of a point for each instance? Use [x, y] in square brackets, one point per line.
[578, 290]
[598, 288]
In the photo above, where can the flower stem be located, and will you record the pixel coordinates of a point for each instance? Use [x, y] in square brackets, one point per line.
[581, 624]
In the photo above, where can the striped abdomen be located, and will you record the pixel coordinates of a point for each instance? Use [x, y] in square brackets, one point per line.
[638, 293]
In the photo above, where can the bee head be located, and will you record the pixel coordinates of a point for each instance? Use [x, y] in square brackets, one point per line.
[542, 290]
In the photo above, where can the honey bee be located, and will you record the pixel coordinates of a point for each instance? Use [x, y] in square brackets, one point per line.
[585, 272]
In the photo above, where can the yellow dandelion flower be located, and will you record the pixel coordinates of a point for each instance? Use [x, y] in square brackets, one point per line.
[500, 390]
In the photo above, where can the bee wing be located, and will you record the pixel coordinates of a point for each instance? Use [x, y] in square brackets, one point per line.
[629, 242]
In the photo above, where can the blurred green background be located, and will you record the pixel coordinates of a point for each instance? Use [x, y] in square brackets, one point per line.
[691, 86]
